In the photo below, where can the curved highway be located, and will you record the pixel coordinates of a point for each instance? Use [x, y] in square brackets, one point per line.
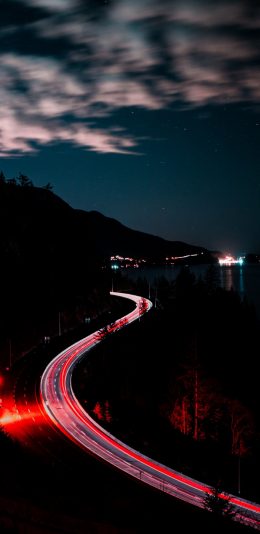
[64, 410]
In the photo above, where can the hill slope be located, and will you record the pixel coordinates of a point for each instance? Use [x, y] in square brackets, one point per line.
[51, 254]
[34, 218]
[112, 237]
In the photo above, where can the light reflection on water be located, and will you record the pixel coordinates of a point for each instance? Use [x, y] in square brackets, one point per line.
[241, 282]
[233, 279]
[243, 279]
[228, 279]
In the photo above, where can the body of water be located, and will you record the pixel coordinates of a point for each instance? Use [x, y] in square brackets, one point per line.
[244, 279]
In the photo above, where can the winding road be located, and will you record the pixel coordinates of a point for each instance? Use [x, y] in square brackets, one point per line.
[64, 410]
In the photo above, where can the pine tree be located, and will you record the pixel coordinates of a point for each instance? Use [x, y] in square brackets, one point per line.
[218, 502]
[2, 178]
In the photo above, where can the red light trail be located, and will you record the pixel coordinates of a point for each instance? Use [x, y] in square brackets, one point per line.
[64, 410]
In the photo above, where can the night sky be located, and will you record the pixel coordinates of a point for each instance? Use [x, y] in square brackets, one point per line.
[145, 110]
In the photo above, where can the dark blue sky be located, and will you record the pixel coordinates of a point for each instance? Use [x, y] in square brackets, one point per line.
[146, 111]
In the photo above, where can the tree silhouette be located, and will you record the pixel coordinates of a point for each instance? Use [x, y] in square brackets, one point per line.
[48, 186]
[212, 279]
[184, 284]
[195, 407]
[24, 181]
[218, 502]
[2, 178]
[241, 427]
[102, 332]
[12, 181]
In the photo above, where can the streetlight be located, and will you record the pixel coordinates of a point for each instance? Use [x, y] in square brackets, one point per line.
[239, 470]
[59, 325]
[10, 353]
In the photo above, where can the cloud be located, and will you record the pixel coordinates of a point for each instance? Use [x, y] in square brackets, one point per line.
[74, 64]
[51, 5]
[210, 14]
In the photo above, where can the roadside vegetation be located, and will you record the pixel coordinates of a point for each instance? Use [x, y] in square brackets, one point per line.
[181, 386]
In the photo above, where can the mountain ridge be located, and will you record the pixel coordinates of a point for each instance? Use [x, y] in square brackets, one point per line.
[106, 235]
[127, 241]
[55, 257]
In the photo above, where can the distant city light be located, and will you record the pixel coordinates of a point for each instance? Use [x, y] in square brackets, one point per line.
[175, 258]
[125, 262]
[230, 260]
